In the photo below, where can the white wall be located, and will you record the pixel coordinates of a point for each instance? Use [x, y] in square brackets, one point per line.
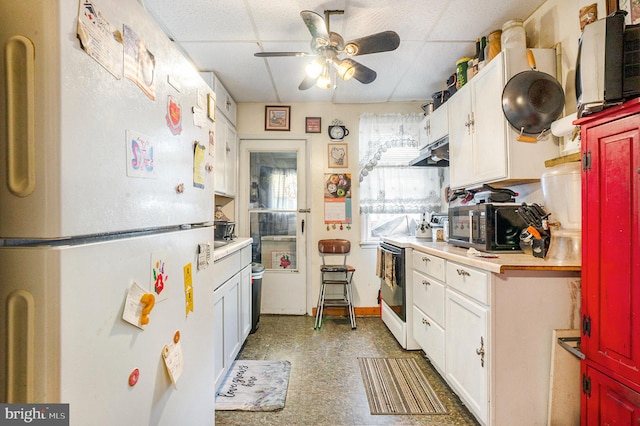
[556, 21]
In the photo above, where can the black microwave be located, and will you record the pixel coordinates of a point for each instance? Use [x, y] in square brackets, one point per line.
[487, 227]
[608, 65]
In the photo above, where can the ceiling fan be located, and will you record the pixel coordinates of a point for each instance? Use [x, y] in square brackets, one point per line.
[327, 46]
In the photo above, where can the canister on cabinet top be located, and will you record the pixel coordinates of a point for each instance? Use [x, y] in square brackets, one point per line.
[461, 71]
[513, 35]
[494, 43]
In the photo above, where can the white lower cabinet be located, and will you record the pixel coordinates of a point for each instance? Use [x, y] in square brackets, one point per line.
[245, 302]
[467, 369]
[430, 337]
[490, 334]
[232, 309]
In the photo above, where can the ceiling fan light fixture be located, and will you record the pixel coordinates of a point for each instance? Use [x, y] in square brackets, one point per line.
[345, 68]
[324, 80]
[351, 49]
[314, 68]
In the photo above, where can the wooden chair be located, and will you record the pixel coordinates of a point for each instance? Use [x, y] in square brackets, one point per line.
[335, 275]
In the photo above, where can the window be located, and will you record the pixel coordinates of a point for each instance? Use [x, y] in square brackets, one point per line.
[394, 196]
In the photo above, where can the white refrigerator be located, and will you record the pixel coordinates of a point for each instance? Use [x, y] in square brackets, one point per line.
[106, 197]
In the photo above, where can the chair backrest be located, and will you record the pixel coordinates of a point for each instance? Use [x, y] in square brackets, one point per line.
[334, 246]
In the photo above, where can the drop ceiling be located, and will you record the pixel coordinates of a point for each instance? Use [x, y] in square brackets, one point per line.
[223, 35]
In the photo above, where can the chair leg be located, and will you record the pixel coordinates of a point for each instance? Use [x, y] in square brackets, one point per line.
[352, 314]
[320, 306]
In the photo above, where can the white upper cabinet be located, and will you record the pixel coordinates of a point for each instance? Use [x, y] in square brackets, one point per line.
[434, 126]
[483, 147]
[225, 103]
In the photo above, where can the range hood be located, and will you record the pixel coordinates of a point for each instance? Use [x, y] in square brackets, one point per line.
[433, 155]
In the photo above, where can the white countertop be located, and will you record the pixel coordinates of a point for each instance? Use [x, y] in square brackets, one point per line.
[505, 260]
[233, 246]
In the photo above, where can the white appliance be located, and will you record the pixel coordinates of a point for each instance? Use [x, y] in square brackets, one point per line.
[105, 182]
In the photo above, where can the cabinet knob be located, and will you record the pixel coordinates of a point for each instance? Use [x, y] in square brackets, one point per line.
[480, 351]
[425, 322]
[462, 272]
[426, 259]
[425, 282]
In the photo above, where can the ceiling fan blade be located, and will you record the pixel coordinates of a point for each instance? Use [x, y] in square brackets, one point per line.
[277, 54]
[374, 43]
[363, 74]
[307, 83]
[317, 27]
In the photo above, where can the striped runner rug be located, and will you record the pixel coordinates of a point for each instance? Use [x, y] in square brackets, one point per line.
[397, 386]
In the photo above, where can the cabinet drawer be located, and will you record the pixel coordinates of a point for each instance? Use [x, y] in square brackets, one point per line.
[470, 281]
[428, 295]
[430, 337]
[225, 268]
[245, 256]
[429, 265]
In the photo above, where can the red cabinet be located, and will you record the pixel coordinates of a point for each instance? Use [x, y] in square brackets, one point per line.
[611, 259]
[608, 402]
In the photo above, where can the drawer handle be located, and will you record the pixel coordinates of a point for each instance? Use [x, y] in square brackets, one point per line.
[425, 282]
[426, 259]
[463, 272]
[480, 351]
[425, 322]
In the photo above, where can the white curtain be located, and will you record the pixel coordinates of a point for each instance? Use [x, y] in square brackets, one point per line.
[387, 184]
[279, 187]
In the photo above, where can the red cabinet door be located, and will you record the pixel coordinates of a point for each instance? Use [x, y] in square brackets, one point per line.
[607, 402]
[611, 254]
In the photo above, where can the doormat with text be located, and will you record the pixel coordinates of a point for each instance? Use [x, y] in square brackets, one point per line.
[254, 386]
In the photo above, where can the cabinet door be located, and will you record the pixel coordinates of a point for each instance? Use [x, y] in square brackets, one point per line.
[220, 155]
[608, 402]
[467, 345]
[245, 302]
[231, 169]
[611, 254]
[226, 326]
[218, 336]
[225, 147]
[434, 126]
[232, 341]
[490, 143]
[430, 337]
[439, 126]
[460, 139]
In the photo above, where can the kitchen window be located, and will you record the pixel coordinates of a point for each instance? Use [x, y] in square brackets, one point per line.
[393, 195]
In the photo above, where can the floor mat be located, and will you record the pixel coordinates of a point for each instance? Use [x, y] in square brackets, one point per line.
[254, 386]
[397, 386]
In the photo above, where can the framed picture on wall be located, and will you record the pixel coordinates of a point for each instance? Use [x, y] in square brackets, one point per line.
[313, 125]
[277, 118]
[338, 155]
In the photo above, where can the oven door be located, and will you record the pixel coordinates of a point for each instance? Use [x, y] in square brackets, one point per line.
[392, 288]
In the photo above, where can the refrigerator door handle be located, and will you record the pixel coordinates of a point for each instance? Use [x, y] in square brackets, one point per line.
[20, 346]
[20, 79]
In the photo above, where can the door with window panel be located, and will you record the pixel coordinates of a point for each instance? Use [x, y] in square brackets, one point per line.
[273, 203]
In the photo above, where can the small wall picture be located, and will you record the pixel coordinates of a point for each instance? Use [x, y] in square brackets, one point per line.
[313, 125]
[277, 118]
[338, 155]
